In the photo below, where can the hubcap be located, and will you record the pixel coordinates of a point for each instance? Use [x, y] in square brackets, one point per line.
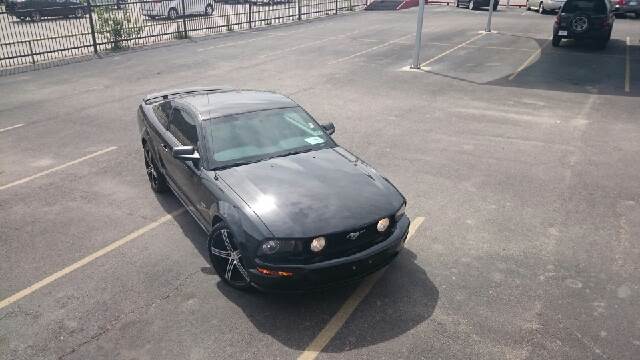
[229, 257]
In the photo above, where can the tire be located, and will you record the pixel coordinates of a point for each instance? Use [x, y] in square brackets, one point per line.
[580, 23]
[495, 6]
[208, 10]
[555, 42]
[541, 9]
[226, 258]
[157, 181]
[471, 5]
[35, 16]
[79, 13]
[172, 14]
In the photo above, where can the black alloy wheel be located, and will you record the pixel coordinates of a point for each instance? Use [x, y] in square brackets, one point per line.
[156, 179]
[226, 258]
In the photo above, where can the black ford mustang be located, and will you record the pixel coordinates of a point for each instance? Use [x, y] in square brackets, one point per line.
[285, 207]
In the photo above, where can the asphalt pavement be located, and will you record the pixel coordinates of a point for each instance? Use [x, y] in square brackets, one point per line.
[520, 159]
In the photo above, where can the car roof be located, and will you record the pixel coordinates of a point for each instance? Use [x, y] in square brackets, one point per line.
[222, 103]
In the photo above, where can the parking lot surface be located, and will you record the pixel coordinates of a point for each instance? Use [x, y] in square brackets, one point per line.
[522, 159]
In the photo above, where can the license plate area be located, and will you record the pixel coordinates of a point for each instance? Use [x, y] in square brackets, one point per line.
[562, 33]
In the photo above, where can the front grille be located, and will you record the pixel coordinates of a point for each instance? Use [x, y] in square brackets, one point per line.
[342, 244]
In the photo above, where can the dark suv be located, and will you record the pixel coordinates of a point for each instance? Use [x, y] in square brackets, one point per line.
[584, 20]
[38, 9]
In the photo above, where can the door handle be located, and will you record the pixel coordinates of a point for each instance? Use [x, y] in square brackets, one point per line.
[165, 147]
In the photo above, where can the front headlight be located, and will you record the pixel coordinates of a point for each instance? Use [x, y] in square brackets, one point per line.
[383, 224]
[278, 247]
[400, 212]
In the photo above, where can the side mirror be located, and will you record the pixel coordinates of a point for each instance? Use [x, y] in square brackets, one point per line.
[185, 153]
[329, 128]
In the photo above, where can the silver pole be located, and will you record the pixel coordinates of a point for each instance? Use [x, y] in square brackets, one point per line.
[488, 27]
[416, 54]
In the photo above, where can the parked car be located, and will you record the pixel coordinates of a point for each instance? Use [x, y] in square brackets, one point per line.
[624, 7]
[584, 20]
[544, 6]
[476, 4]
[173, 8]
[283, 205]
[35, 10]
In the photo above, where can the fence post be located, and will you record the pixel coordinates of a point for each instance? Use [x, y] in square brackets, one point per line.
[299, 9]
[33, 58]
[93, 28]
[336, 7]
[250, 15]
[184, 19]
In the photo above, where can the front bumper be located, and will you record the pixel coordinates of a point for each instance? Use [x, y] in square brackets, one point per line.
[333, 272]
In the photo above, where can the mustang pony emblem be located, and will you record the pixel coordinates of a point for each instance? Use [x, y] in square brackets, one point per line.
[354, 235]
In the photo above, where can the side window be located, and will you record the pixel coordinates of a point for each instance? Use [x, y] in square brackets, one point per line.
[183, 128]
[163, 111]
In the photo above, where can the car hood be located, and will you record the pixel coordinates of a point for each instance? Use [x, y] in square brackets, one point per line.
[314, 193]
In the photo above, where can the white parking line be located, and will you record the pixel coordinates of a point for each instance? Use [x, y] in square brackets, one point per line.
[451, 50]
[336, 322]
[29, 178]
[11, 127]
[237, 42]
[370, 49]
[107, 249]
[316, 42]
[529, 60]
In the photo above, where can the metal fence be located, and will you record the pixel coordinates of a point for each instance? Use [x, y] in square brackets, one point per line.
[40, 31]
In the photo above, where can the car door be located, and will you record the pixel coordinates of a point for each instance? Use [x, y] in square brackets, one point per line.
[186, 175]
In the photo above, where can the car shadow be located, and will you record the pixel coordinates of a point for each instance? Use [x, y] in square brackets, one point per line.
[403, 298]
[575, 66]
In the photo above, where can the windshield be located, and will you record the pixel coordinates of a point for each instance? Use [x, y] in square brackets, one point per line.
[255, 136]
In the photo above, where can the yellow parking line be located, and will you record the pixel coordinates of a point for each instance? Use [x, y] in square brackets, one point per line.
[114, 245]
[627, 72]
[11, 127]
[450, 50]
[336, 322]
[529, 60]
[29, 178]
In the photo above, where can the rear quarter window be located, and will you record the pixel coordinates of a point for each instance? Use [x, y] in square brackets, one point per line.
[163, 111]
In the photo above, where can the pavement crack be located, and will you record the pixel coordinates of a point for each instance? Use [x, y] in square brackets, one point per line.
[136, 310]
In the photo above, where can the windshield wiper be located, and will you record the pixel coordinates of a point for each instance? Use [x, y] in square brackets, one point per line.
[236, 164]
[294, 152]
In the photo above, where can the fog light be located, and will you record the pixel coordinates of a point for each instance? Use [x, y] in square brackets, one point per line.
[383, 224]
[271, 246]
[318, 244]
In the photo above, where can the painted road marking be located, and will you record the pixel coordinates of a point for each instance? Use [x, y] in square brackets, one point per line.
[627, 72]
[29, 178]
[317, 42]
[453, 49]
[17, 126]
[338, 320]
[529, 60]
[114, 245]
[370, 49]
